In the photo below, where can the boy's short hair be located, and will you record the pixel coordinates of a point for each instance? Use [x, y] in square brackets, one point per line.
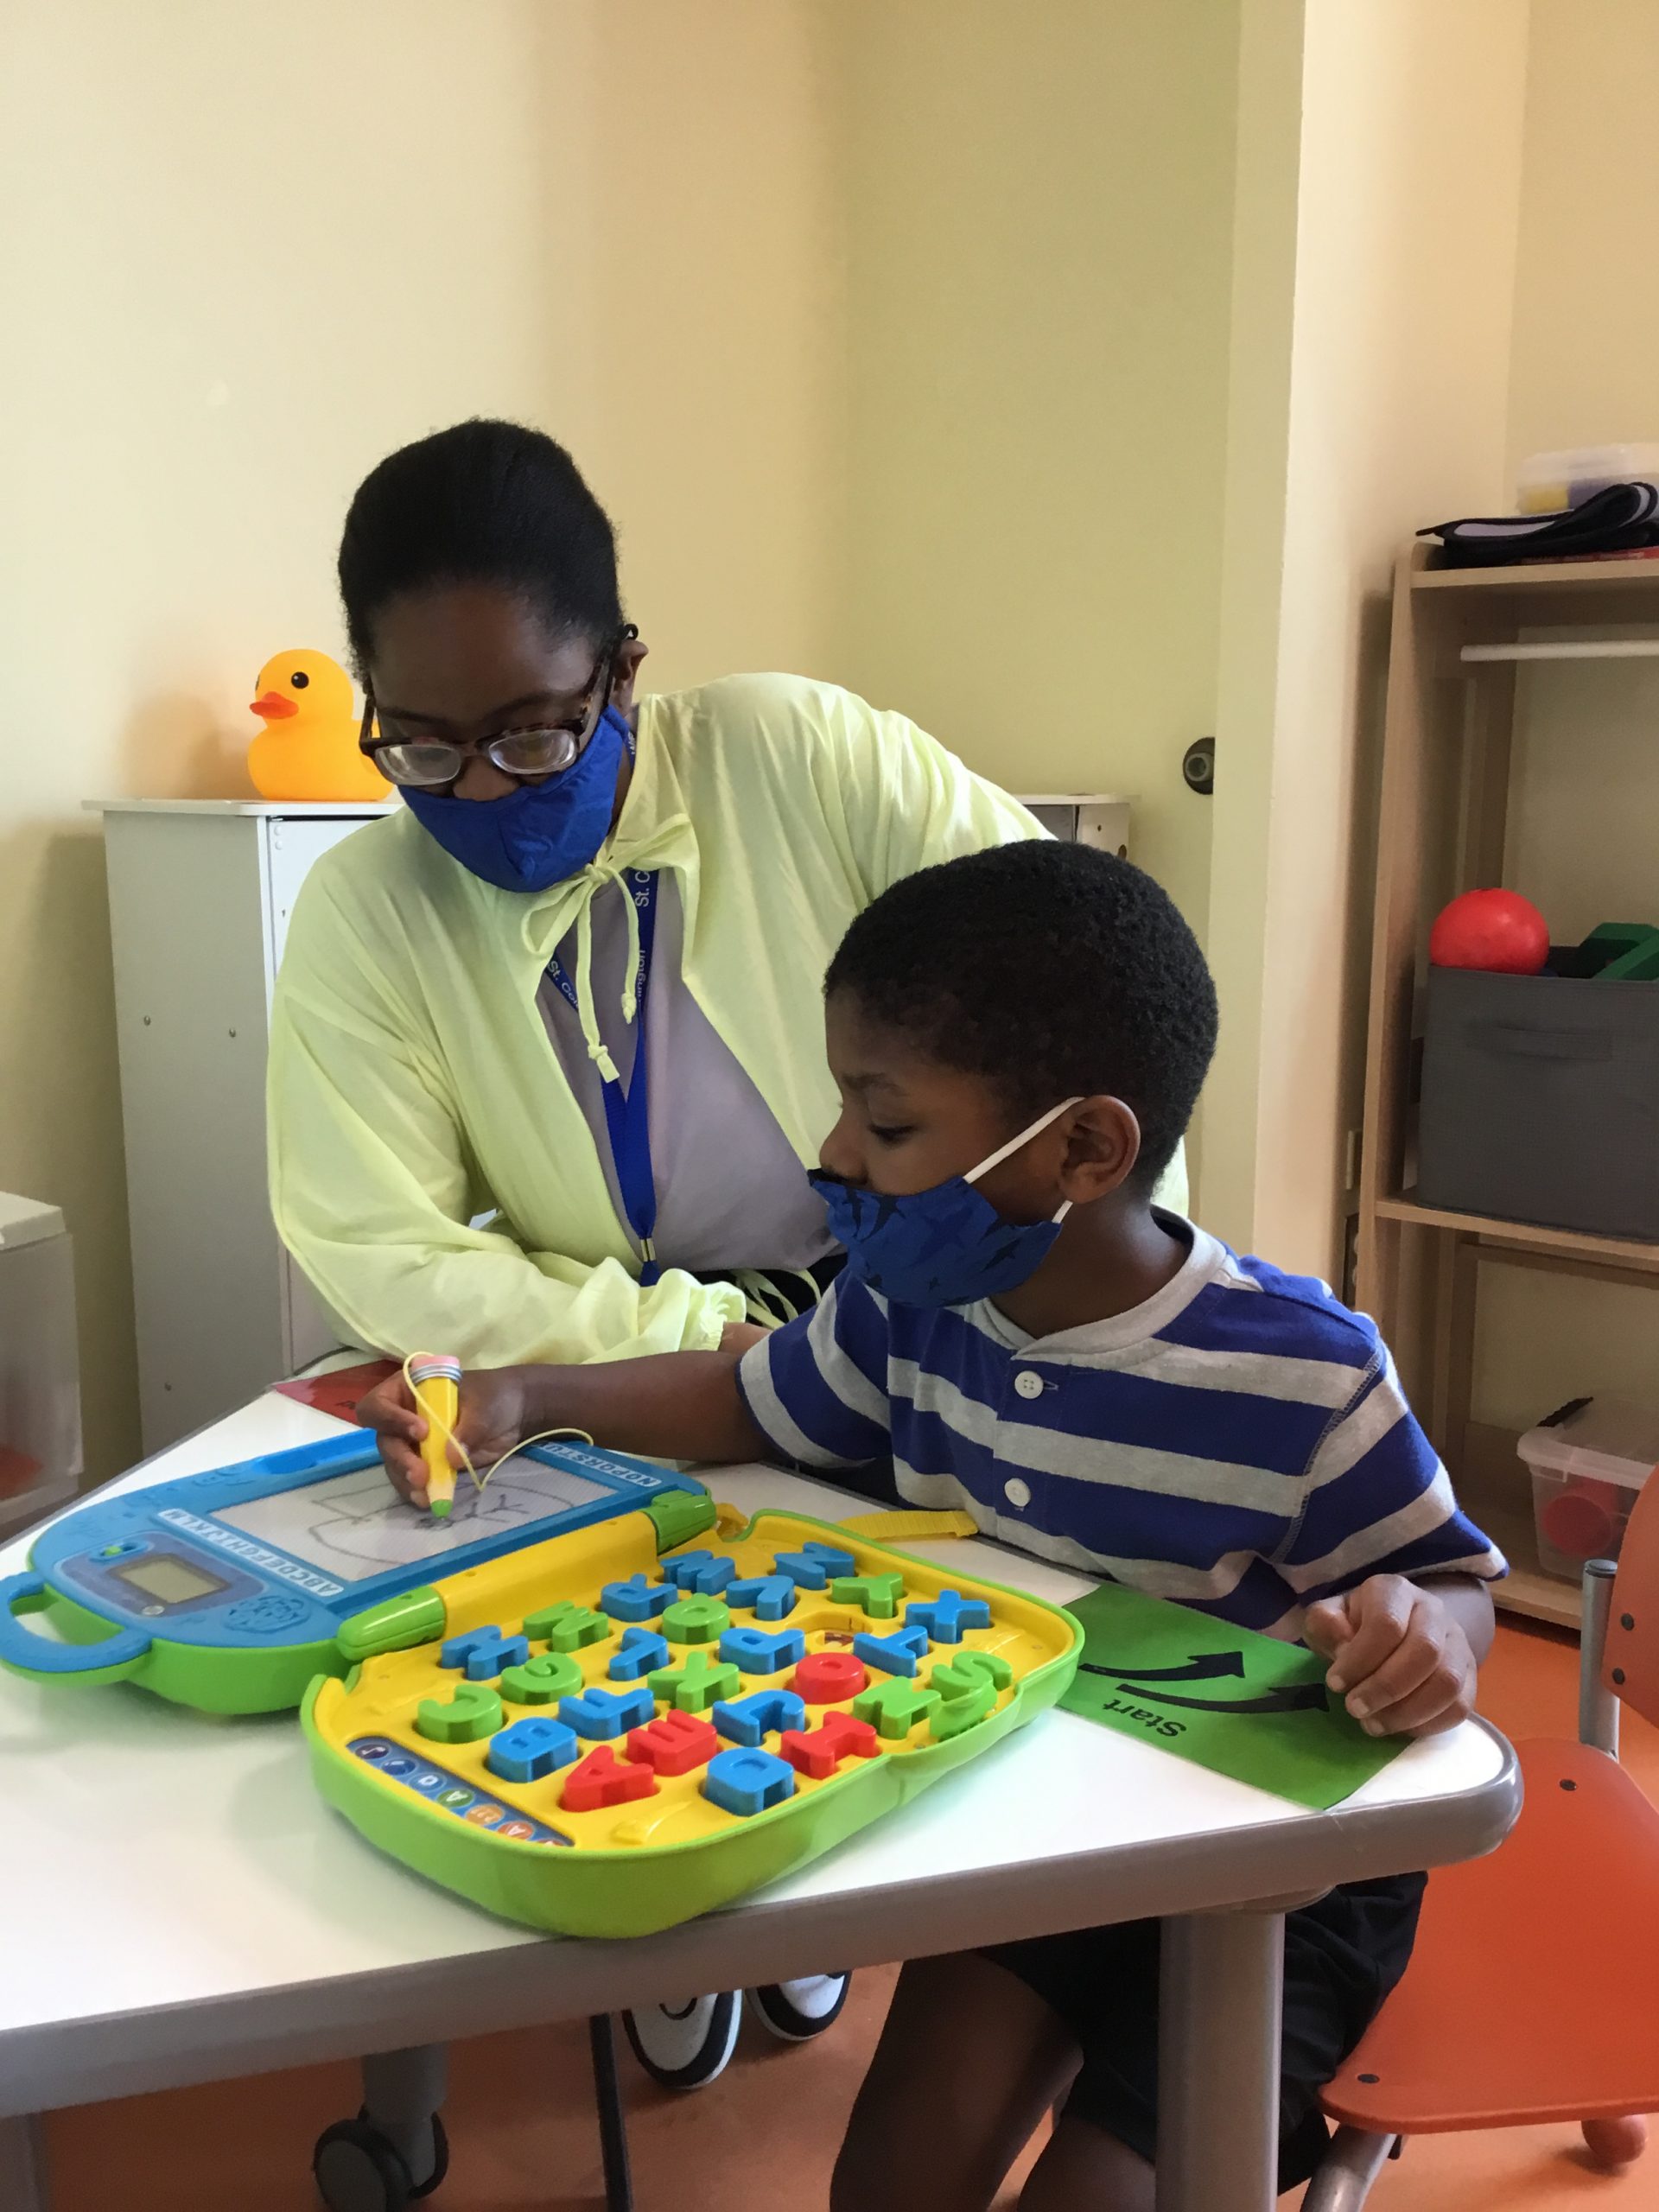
[1054, 971]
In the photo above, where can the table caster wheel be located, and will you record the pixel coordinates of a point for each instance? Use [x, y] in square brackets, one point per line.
[685, 2046]
[795, 2012]
[356, 2170]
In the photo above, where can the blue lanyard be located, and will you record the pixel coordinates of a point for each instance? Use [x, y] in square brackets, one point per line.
[627, 1113]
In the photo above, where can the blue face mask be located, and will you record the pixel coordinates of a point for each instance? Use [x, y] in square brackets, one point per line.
[540, 834]
[947, 1246]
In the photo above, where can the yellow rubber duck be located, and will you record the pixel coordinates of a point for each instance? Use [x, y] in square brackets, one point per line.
[307, 748]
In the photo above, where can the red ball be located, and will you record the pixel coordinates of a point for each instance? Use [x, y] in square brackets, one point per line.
[1495, 929]
[1582, 1520]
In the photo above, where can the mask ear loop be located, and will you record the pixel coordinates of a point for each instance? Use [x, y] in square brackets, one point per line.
[1036, 1128]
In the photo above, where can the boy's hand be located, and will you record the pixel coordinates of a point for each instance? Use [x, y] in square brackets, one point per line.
[495, 1411]
[1397, 1654]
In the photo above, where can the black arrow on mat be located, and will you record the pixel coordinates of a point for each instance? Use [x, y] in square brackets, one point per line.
[1294, 1697]
[1204, 1666]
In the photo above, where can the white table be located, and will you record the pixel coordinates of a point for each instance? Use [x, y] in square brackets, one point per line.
[180, 1905]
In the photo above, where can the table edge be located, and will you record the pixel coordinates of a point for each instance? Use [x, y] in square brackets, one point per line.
[516, 1986]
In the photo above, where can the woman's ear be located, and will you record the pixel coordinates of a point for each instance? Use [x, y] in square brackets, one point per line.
[1101, 1145]
[632, 652]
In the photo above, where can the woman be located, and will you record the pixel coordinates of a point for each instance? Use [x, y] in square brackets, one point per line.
[469, 1152]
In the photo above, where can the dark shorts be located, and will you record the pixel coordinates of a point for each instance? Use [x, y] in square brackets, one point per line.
[1343, 1956]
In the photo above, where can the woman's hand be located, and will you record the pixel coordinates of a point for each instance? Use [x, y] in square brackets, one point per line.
[1399, 1657]
[496, 1411]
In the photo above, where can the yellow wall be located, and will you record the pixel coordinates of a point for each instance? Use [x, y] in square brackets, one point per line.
[1584, 821]
[900, 338]
[1039, 216]
[1380, 165]
[711, 330]
[1587, 327]
[895, 338]
[248, 250]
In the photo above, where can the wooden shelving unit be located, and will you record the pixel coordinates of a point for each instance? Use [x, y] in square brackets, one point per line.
[1441, 828]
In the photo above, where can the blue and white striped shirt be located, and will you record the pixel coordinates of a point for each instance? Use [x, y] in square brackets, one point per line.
[1239, 1442]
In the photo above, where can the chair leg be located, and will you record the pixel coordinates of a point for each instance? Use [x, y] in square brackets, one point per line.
[613, 2119]
[1598, 1706]
[1347, 2170]
[23, 2186]
[1613, 2143]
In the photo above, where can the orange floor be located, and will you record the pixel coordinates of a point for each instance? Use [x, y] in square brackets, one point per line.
[523, 2134]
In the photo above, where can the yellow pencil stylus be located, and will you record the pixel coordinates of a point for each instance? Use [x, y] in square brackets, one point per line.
[434, 1380]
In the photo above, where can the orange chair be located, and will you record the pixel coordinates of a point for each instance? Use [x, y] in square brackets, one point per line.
[1533, 1993]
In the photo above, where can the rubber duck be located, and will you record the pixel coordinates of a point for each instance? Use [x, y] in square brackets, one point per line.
[307, 748]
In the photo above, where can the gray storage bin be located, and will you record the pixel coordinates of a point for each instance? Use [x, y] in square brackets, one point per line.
[1540, 1101]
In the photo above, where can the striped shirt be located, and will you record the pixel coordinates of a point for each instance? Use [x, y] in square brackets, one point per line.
[1239, 1442]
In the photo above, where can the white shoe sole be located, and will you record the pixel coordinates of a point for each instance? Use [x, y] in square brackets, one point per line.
[685, 2046]
[796, 2011]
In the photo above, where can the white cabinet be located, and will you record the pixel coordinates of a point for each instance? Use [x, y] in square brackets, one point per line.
[1083, 817]
[200, 894]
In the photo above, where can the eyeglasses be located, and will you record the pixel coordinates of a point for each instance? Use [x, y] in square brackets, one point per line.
[429, 762]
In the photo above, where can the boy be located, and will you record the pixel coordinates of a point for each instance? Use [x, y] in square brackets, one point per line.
[1019, 1037]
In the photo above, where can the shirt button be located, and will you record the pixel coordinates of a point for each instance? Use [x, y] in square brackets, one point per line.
[1028, 1383]
[1018, 1493]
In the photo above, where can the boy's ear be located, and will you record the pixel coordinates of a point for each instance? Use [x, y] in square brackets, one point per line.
[1101, 1145]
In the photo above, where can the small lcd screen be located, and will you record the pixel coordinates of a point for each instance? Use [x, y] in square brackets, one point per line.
[170, 1580]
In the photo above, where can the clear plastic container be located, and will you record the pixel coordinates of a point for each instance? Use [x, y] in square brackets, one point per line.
[1549, 481]
[1587, 1461]
[39, 1384]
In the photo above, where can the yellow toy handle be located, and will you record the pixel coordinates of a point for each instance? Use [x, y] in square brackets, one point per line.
[434, 1379]
[916, 1525]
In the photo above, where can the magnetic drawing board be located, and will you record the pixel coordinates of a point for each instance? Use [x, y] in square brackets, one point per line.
[229, 1590]
[356, 1524]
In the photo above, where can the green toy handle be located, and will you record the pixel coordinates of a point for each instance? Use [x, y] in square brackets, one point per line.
[110, 1659]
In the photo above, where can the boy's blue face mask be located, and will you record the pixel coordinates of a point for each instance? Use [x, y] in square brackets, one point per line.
[537, 835]
[946, 1246]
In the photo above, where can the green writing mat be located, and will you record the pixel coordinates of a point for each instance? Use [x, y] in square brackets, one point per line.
[1240, 1704]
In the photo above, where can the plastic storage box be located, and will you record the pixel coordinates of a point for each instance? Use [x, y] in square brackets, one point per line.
[1550, 481]
[1588, 1462]
[1540, 1101]
[40, 1384]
